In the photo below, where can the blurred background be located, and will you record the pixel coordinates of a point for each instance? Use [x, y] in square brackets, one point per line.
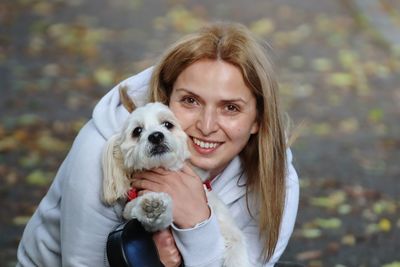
[339, 70]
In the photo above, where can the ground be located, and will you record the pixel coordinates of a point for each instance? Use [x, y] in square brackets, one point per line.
[339, 82]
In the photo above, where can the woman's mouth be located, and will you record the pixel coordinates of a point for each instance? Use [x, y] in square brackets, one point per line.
[205, 146]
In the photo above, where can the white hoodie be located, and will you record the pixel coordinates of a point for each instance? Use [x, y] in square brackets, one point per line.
[71, 224]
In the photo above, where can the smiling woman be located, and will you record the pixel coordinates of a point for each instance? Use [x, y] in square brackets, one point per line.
[217, 111]
[220, 85]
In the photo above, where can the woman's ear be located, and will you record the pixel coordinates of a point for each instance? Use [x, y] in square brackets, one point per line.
[126, 101]
[254, 127]
[115, 181]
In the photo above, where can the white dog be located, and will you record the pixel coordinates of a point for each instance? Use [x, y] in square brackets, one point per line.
[150, 138]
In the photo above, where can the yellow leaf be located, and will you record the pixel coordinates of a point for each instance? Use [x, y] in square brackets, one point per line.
[49, 143]
[384, 225]
[348, 59]
[331, 223]
[311, 233]
[341, 79]
[392, 264]
[43, 8]
[21, 220]
[349, 240]
[349, 125]
[375, 115]
[322, 64]
[104, 77]
[331, 201]
[262, 27]
[38, 177]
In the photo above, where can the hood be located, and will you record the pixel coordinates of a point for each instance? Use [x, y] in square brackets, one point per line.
[109, 115]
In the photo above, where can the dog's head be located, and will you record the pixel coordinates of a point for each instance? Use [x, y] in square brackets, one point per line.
[151, 137]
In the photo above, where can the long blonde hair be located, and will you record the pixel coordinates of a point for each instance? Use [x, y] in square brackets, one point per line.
[264, 157]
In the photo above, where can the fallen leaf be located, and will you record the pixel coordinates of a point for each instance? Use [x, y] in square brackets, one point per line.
[39, 178]
[52, 144]
[262, 27]
[392, 264]
[349, 240]
[104, 77]
[309, 255]
[21, 220]
[385, 225]
[383, 206]
[341, 79]
[322, 64]
[30, 160]
[348, 59]
[375, 115]
[331, 223]
[311, 233]
[349, 125]
[8, 143]
[331, 201]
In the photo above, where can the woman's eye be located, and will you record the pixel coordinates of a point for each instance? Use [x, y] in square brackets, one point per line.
[168, 125]
[231, 108]
[136, 132]
[189, 100]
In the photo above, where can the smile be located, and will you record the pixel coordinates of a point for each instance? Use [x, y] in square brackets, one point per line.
[204, 144]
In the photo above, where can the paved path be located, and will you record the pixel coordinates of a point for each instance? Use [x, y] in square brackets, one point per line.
[57, 58]
[384, 17]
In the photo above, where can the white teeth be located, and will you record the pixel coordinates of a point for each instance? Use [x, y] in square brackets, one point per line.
[204, 144]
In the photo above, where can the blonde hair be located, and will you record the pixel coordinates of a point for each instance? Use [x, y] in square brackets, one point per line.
[264, 157]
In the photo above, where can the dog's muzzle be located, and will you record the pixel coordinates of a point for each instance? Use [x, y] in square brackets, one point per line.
[157, 140]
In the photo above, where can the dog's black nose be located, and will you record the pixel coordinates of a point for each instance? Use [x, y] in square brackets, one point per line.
[156, 138]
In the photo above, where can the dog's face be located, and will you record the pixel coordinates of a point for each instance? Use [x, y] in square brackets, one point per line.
[152, 137]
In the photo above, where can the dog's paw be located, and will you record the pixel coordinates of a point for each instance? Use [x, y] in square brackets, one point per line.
[154, 211]
[153, 207]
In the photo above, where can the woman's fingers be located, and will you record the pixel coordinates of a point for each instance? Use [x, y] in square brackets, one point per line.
[147, 184]
[169, 253]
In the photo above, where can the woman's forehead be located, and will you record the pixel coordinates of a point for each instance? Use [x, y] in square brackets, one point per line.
[213, 77]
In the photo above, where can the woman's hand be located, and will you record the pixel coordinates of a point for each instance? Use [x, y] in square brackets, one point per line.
[169, 253]
[186, 190]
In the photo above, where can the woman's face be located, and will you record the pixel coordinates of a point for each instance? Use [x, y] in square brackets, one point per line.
[216, 110]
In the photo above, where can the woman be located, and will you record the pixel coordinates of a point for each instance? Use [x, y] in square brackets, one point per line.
[220, 85]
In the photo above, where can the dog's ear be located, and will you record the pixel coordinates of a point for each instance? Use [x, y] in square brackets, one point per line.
[125, 99]
[115, 180]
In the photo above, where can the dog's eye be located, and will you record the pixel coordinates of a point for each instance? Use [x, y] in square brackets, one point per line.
[168, 125]
[137, 131]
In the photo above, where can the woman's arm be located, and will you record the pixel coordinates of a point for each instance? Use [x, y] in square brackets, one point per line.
[85, 222]
[196, 230]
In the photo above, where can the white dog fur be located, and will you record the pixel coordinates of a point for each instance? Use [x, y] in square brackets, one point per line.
[151, 137]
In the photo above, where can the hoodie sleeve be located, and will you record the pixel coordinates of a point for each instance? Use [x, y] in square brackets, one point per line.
[85, 222]
[203, 245]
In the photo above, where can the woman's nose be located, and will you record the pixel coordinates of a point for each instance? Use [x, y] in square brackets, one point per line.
[207, 121]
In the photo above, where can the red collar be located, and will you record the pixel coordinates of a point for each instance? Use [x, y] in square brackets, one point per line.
[133, 193]
[207, 185]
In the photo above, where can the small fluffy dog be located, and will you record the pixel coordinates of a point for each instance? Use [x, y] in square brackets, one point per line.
[150, 138]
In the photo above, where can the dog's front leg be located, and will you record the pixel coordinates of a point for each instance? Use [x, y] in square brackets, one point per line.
[236, 254]
[153, 210]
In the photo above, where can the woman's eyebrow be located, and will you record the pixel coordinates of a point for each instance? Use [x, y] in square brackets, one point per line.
[187, 91]
[238, 99]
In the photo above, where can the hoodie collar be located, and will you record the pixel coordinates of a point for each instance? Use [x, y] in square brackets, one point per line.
[230, 185]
